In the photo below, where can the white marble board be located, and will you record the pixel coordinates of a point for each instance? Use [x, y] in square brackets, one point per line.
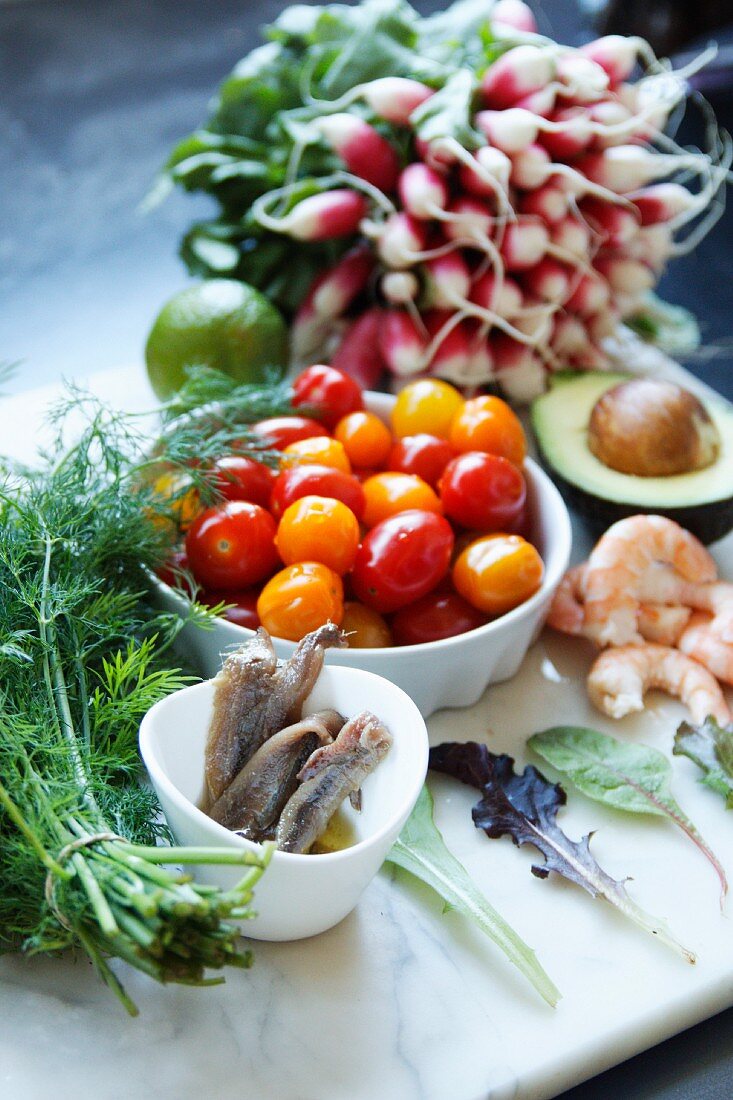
[400, 1001]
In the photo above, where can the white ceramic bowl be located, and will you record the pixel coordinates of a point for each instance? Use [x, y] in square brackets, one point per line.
[298, 895]
[453, 672]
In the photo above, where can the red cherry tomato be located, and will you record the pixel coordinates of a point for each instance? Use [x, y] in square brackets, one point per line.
[402, 559]
[320, 481]
[483, 491]
[243, 609]
[422, 454]
[440, 614]
[241, 478]
[232, 545]
[330, 393]
[171, 572]
[279, 432]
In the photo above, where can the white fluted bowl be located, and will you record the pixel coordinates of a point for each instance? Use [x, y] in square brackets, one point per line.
[452, 672]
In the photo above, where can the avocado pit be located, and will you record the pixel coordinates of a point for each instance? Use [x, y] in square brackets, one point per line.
[652, 428]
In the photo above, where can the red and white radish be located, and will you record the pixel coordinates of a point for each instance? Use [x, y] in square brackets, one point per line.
[548, 280]
[549, 202]
[422, 191]
[401, 240]
[394, 98]
[486, 173]
[614, 225]
[662, 202]
[332, 293]
[499, 296]
[399, 287]
[447, 280]
[358, 353]
[615, 54]
[514, 15]
[363, 150]
[320, 217]
[401, 344]
[511, 130]
[517, 73]
[524, 244]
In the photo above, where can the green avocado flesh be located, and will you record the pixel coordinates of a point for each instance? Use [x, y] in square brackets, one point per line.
[701, 500]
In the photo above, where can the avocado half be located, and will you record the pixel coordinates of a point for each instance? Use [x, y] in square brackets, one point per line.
[701, 501]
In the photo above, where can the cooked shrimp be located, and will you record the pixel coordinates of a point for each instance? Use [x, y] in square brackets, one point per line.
[567, 612]
[700, 641]
[620, 563]
[619, 677]
[662, 625]
[656, 622]
[662, 585]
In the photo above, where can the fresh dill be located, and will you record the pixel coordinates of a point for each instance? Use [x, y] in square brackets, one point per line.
[83, 654]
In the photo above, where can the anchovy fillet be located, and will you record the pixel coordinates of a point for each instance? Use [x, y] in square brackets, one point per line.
[332, 772]
[252, 803]
[255, 698]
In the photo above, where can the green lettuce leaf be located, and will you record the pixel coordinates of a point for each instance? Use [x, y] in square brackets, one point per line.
[421, 850]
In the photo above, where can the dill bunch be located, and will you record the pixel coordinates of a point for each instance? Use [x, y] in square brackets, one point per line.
[83, 654]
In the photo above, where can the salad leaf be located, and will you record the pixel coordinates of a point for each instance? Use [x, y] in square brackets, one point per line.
[710, 746]
[627, 776]
[421, 850]
[447, 114]
[525, 808]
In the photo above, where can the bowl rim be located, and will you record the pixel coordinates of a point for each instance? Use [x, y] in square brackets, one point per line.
[159, 776]
[562, 547]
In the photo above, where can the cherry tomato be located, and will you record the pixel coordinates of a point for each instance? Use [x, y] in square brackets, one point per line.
[306, 480]
[366, 439]
[423, 454]
[328, 391]
[483, 491]
[488, 424]
[318, 529]
[321, 450]
[179, 499]
[365, 628]
[300, 598]
[401, 559]
[232, 545]
[243, 609]
[440, 614]
[279, 431]
[427, 405]
[241, 478]
[498, 572]
[171, 572]
[388, 493]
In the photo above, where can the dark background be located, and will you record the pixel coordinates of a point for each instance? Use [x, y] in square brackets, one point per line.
[92, 96]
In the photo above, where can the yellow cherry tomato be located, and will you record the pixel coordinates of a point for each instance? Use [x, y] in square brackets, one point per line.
[498, 572]
[179, 497]
[366, 439]
[390, 492]
[300, 598]
[488, 424]
[320, 450]
[365, 628]
[321, 529]
[427, 405]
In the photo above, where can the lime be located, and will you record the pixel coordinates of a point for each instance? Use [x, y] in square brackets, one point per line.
[218, 323]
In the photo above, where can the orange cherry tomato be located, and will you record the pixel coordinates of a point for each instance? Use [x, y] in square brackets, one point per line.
[366, 439]
[365, 628]
[488, 424]
[390, 492]
[498, 572]
[321, 529]
[300, 598]
[319, 449]
[427, 405]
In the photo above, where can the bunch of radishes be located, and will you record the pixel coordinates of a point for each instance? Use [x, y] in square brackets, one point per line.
[515, 252]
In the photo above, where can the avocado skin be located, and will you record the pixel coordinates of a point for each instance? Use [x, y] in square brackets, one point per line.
[708, 522]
